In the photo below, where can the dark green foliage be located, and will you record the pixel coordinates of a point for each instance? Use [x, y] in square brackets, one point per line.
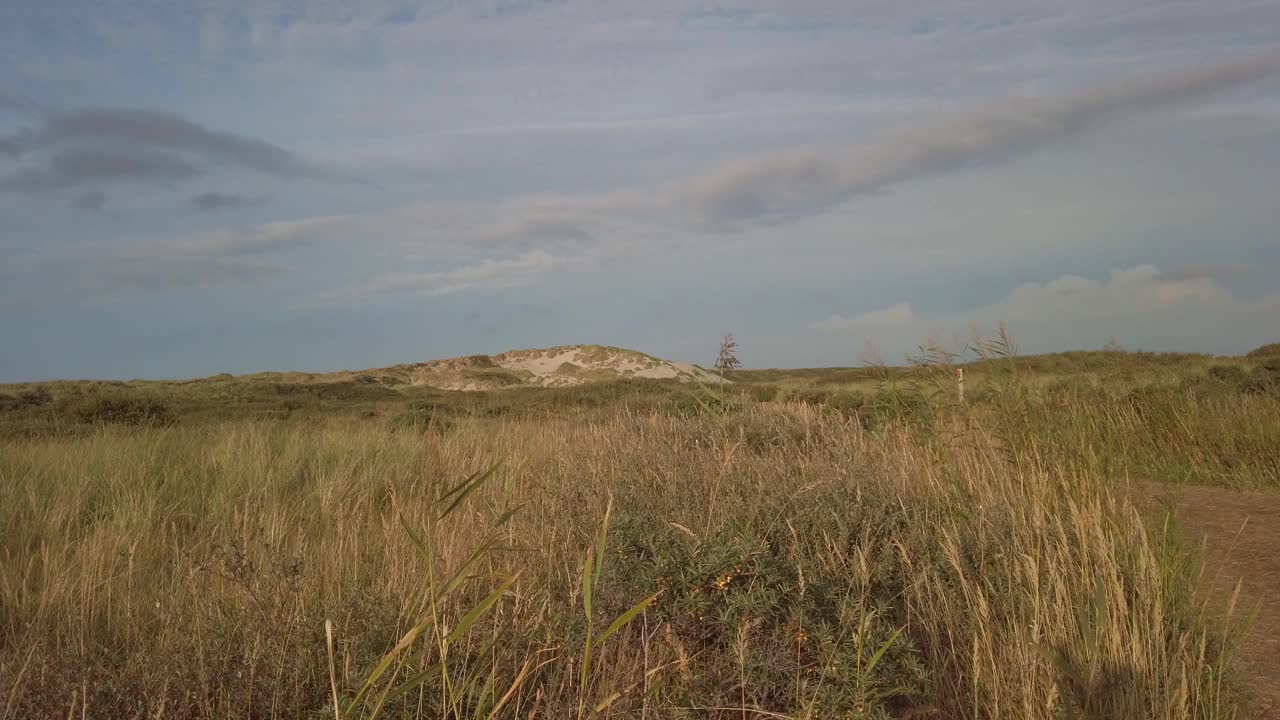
[355, 390]
[1086, 361]
[426, 414]
[1263, 379]
[1269, 370]
[758, 393]
[816, 376]
[120, 410]
[1065, 363]
[890, 403]
[792, 628]
[1229, 374]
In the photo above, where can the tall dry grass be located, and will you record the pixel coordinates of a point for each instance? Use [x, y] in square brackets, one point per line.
[799, 565]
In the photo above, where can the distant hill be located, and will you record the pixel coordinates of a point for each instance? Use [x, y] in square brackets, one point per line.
[560, 366]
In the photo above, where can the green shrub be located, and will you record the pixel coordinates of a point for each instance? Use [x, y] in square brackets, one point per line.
[890, 405]
[422, 419]
[345, 391]
[1230, 374]
[758, 393]
[120, 410]
[438, 410]
[706, 400]
[803, 629]
[1265, 379]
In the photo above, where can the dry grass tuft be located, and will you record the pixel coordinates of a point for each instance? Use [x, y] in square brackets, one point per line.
[781, 557]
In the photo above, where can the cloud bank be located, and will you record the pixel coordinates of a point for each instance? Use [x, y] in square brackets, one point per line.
[1140, 306]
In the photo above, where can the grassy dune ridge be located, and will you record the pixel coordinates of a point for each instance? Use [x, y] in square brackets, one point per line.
[862, 548]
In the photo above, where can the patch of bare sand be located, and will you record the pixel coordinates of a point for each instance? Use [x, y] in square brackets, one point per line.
[1241, 536]
[546, 365]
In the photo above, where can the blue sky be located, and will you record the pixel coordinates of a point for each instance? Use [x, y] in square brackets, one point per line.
[225, 186]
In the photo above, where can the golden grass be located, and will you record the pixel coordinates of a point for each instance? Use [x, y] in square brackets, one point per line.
[803, 566]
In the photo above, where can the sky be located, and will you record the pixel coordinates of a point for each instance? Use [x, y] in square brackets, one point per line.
[189, 188]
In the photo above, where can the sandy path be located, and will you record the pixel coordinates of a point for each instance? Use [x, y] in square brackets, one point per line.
[1241, 533]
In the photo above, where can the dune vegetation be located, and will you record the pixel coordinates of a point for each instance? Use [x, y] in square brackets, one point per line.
[841, 543]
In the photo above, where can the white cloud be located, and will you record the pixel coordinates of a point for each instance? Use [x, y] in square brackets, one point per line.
[1140, 306]
[264, 238]
[893, 316]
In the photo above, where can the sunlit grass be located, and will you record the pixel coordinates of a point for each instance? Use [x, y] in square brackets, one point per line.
[826, 544]
[777, 558]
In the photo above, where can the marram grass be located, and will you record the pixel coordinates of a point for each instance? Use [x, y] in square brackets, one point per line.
[776, 559]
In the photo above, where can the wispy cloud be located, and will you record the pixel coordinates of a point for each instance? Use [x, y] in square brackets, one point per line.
[95, 278]
[77, 166]
[219, 258]
[790, 185]
[261, 239]
[143, 145]
[222, 201]
[170, 272]
[798, 183]
[485, 275]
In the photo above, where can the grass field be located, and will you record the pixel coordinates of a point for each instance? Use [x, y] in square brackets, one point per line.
[838, 543]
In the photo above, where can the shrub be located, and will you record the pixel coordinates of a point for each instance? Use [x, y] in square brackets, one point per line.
[758, 393]
[1229, 374]
[344, 391]
[791, 629]
[1265, 379]
[421, 417]
[121, 410]
[35, 397]
[908, 405]
[1270, 350]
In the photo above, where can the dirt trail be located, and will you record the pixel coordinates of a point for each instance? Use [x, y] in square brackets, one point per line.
[1241, 532]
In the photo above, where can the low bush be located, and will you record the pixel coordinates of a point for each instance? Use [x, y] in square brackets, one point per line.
[119, 410]
[426, 415]
[1270, 350]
